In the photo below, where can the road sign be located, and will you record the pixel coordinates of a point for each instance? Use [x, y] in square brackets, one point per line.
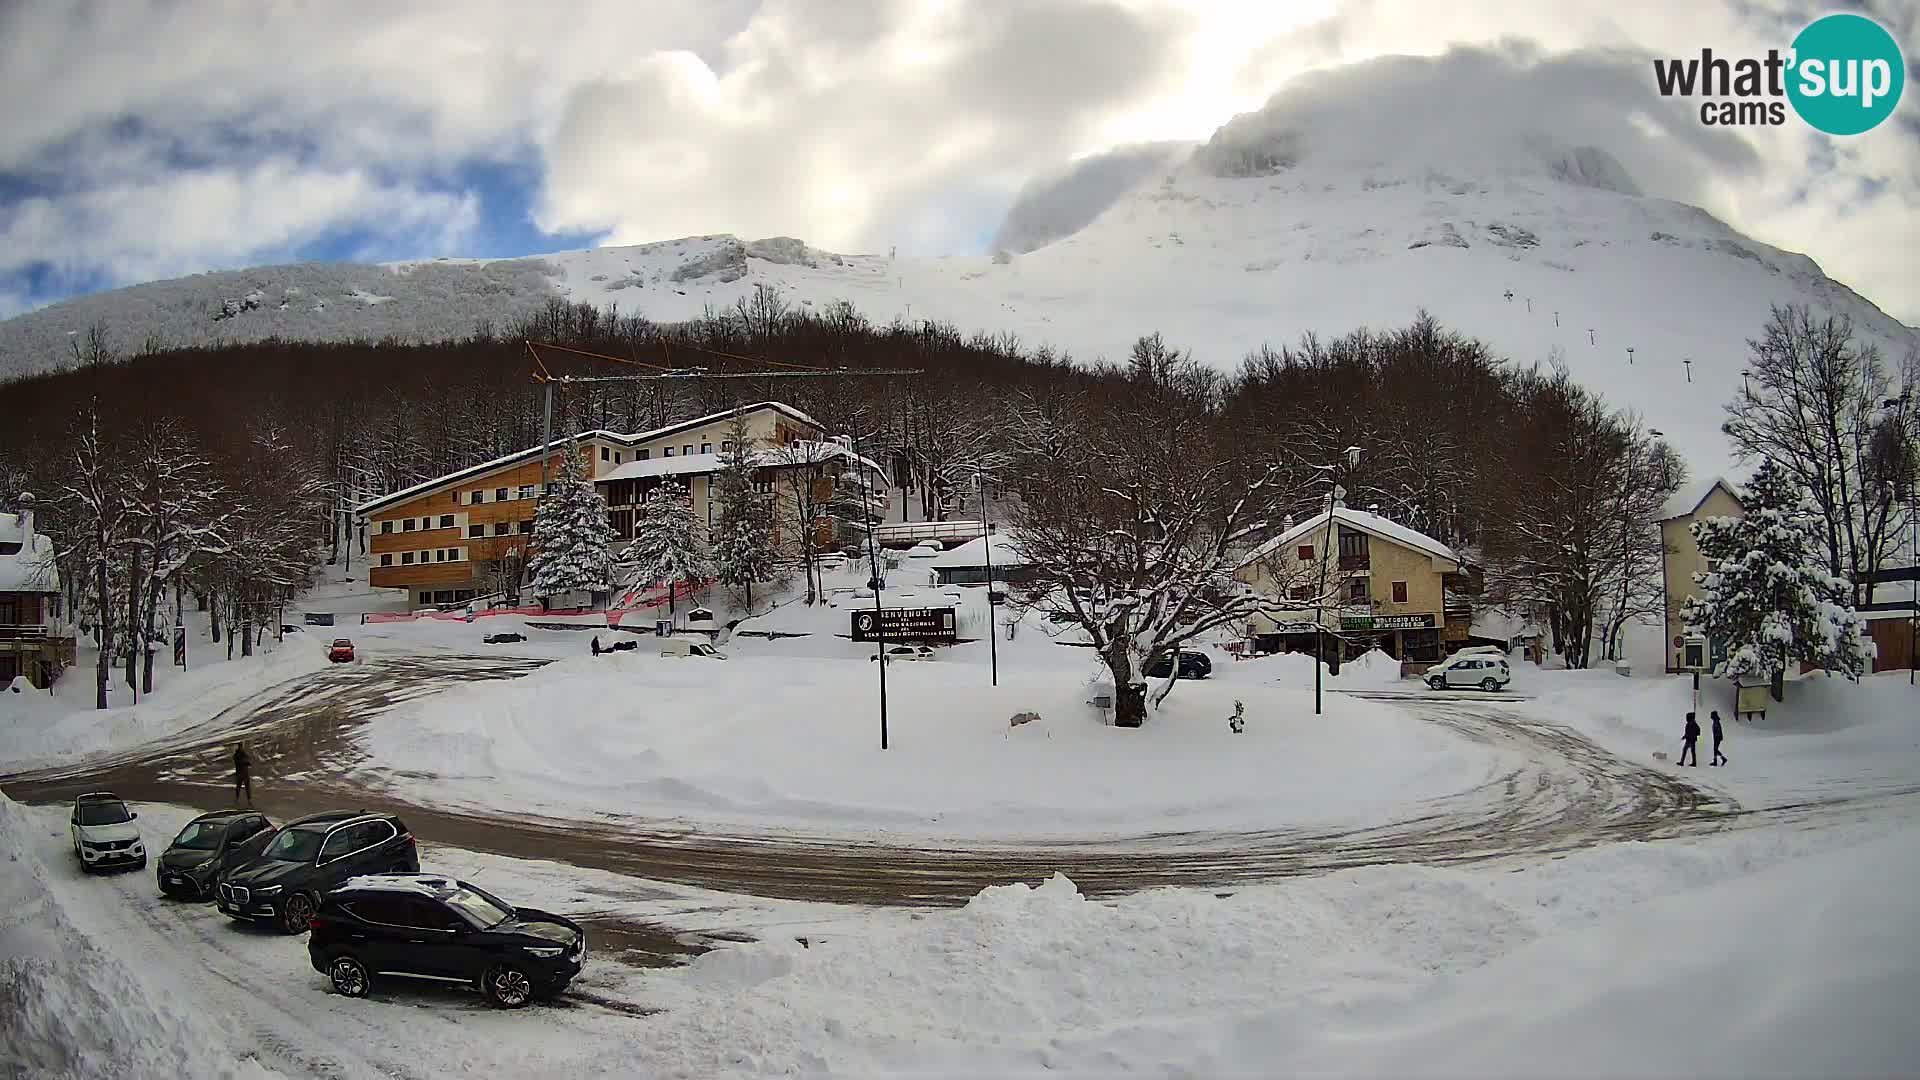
[905, 624]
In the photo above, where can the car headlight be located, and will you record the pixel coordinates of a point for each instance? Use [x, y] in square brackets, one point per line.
[268, 890]
[545, 954]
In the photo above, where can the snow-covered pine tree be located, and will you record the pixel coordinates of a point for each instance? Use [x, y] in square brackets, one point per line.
[666, 540]
[743, 530]
[1769, 598]
[571, 537]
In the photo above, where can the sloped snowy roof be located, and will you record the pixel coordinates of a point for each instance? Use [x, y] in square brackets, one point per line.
[427, 486]
[1365, 522]
[1006, 552]
[31, 568]
[697, 464]
[1688, 499]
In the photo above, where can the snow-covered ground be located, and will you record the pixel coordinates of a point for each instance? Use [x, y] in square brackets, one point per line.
[774, 739]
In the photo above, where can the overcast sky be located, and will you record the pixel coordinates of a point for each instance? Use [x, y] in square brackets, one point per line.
[146, 139]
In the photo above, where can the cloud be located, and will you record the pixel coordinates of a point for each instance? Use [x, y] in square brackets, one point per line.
[1065, 200]
[854, 125]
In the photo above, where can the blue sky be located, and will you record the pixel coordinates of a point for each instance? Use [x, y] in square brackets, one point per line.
[146, 139]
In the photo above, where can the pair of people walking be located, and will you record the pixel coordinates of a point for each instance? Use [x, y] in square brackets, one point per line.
[1690, 741]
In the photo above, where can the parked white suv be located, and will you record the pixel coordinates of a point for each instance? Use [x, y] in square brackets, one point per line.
[104, 834]
[1470, 669]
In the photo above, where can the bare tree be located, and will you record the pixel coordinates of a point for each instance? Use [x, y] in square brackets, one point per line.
[1811, 403]
[94, 515]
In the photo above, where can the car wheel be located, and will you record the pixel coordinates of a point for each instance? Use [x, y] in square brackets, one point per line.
[295, 912]
[1489, 684]
[349, 977]
[506, 987]
[1436, 684]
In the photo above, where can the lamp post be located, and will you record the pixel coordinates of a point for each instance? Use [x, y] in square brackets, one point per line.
[1334, 495]
[873, 555]
[986, 547]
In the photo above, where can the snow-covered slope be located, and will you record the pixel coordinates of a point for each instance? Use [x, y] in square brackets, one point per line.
[1253, 238]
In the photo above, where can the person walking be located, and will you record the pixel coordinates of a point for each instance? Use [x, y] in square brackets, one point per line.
[242, 773]
[1718, 757]
[596, 644]
[1690, 742]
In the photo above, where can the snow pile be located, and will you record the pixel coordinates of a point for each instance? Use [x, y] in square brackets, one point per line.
[69, 1008]
[1734, 955]
[794, 740]
[1372, 670]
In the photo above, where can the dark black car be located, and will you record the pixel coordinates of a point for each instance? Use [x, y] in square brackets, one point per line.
[310, 856]
[504, 638]
[435, 928]
[1193, 665]
[209, 844]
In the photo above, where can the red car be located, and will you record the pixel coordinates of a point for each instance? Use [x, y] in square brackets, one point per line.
[341, 651]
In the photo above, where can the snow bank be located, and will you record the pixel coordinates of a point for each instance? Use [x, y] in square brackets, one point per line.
[1831, 737]
[1373, 670]
[786, 740]
[40, 728]
[1730, 955]
[68, 1007]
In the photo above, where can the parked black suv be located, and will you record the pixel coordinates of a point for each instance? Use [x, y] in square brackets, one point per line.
[1193, 665]
[308, 857]
[435, 928]
[209, 844]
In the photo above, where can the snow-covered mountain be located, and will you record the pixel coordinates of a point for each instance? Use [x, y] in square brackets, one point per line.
[1541, 249]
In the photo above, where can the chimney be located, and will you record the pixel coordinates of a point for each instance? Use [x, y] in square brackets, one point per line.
[26, 521]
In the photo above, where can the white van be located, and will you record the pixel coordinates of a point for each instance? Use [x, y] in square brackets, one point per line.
[1470, 668]
[683, 647]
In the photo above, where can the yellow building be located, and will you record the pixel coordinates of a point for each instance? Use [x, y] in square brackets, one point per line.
[1385, 585]
[1681, 558]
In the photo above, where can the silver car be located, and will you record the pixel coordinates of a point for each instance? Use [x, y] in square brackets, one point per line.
[1485, 672]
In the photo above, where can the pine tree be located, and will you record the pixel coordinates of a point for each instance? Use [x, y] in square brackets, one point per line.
[743, 536]
[1769, 598]
[571, 537]
[666, 540]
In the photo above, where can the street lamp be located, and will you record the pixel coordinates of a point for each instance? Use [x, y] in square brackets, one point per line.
[1334, 495]
[986, 545]
[873, 554]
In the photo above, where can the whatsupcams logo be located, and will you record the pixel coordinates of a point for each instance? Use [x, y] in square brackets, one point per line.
[1843, 75]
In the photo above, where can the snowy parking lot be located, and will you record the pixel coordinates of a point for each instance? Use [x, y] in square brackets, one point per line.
[1413, 883]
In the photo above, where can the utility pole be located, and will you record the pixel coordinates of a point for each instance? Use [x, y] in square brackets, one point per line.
[1334, 497]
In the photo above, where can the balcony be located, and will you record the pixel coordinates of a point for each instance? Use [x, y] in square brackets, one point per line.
[26, 633]
[1356, 562]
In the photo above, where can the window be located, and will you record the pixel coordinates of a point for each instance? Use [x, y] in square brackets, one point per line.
[338, 843]
[606, 454]
[475, 531]
[386, 560]
[500, 495]
[479, 497]
[726, 446]
[446, 521]
[526, 526]
[406, 558]
[500, 528]
[640, 455]
[440, 555]
[528, 491]
[1353, 550]
[616, 457]
[706, 448]
[1300, 592]
[667, 452]
[386, 526]
[1357, 591]
[1305, 552]
[1399, 592]
[763, 484]
[686, 450]
[406, 525]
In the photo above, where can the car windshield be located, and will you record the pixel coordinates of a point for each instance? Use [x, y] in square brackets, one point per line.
[103, 813]
[295, 845]
[201, 835]
[483, 910]
[342, 643]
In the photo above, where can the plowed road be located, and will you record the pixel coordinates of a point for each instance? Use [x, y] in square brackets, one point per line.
[1566, 793]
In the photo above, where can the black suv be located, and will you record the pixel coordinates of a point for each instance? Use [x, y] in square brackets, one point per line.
[209, 844]
[441, 930]
[1193, 665]
[309, 856]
